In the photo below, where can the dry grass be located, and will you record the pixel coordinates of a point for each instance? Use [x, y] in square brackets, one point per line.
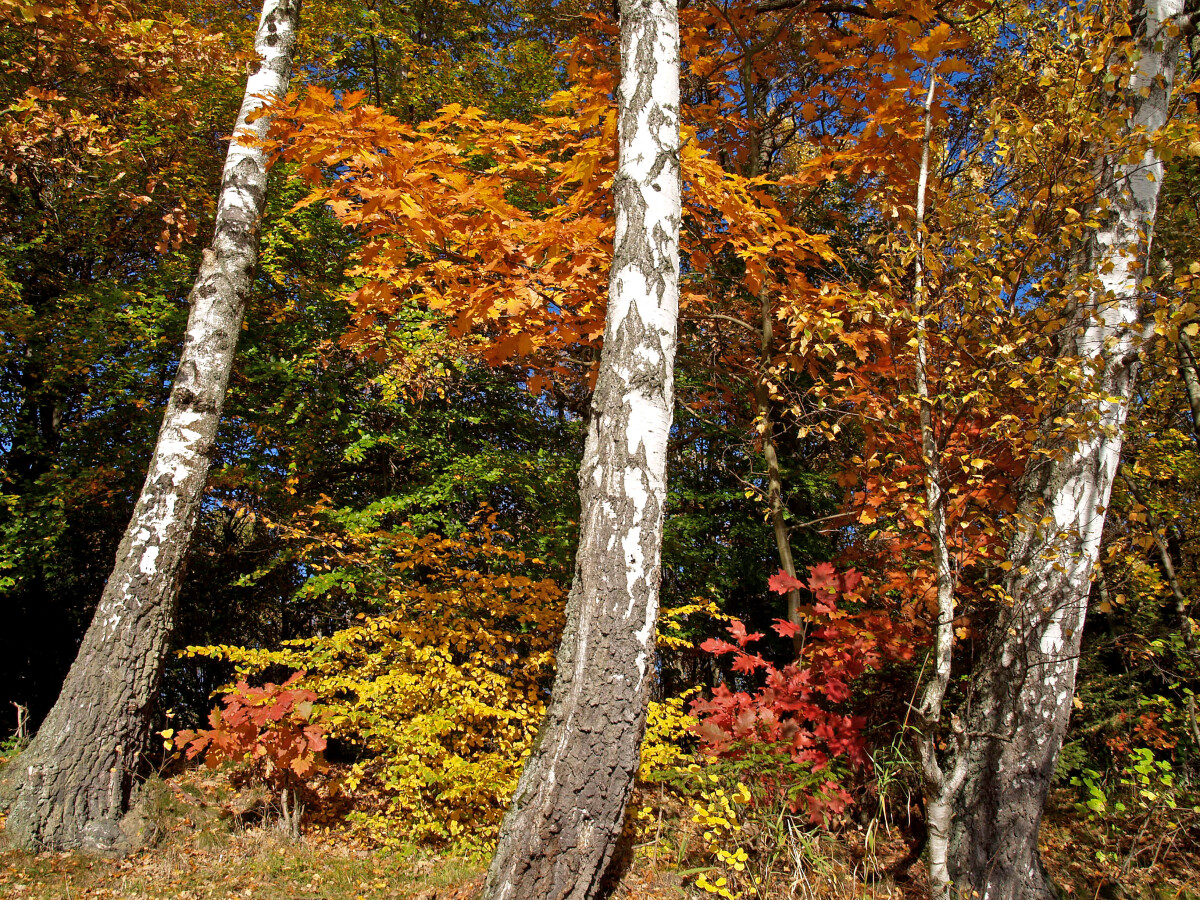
[220, 844]
[217, 843]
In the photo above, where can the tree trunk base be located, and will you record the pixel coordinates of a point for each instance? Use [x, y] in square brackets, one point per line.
[41, 818]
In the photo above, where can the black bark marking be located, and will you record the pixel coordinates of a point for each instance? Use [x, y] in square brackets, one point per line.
[559, 837]
[1021, 695]
[77, 776]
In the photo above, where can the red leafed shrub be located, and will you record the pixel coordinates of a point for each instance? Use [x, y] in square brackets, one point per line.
[272, 727]
[789, 713]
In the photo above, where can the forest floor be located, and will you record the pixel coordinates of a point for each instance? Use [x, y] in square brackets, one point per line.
[214, 846]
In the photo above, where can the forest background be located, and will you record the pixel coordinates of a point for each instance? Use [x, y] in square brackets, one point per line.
[392, 503]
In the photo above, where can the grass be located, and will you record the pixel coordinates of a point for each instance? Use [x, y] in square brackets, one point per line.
[250, 865]
[219, 843]
[257, 863]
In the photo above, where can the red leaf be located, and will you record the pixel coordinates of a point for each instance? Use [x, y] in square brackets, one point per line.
[849, 580]
[716, 646]
[747, 664]
[786, 629]
[744, 724]
[781, 582]
[712, 735]
[738, 630]
[825, 603]
[820, 575]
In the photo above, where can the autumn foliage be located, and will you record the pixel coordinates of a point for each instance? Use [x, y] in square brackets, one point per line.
[793, 712]
[441, 694]
[438, 244]
[272, 727]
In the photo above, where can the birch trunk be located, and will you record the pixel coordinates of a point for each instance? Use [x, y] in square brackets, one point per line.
[559, 836]
[1026, 677]
[943, 777]
[76, 777]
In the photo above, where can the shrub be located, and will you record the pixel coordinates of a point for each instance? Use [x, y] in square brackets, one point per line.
[441, 696]
[273, 728]
[778, 752]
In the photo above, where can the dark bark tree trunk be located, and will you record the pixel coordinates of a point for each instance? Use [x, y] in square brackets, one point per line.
[1025, 680]
[76, 777]
[775, 505]
[559, 837]
[1191, 379]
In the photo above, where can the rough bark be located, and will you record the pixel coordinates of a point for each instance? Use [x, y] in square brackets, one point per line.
[76, 777]
[558, 839]
[1025, 679]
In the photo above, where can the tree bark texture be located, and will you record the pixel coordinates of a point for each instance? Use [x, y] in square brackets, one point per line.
[1025, 680]
[558, 838]
[76, 777]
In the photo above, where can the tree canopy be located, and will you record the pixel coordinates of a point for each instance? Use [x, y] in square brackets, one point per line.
[937, 287]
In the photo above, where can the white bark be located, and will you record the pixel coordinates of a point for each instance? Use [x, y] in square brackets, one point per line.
[559, 837]
[1026, 680]
[941, 784]
[77, 773]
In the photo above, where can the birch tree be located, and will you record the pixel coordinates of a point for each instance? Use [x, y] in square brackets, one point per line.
[558, 838]
[943, 777]
[1025, 680]
[76, 777]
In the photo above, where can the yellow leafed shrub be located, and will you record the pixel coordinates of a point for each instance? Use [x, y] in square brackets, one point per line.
[442, 695]
[668, 739]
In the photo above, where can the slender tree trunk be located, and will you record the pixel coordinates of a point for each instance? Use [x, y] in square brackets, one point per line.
[558, 839]
[943, 777]
[1191, 379]
[1159, 533]
[775, 505]
[1191, 386]
[1183, 606]
[1026, 676]
[777, 510]
[76, 777]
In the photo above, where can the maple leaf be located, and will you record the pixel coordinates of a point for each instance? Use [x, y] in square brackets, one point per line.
[785, 629]
[716, 646]
[746, 663]
[781, 583]
[825, 603]
[821, 576]
[712, 735]
[744, 723]
[849, 580]
[836, 690]
[738, 629]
